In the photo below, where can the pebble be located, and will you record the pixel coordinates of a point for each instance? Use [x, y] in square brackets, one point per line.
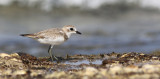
[115, 70]
[90, 71]
[3, 55]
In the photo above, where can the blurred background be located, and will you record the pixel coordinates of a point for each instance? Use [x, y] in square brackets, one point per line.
[107, 25]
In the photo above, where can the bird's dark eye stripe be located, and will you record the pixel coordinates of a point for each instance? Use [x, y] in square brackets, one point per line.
[71, 29]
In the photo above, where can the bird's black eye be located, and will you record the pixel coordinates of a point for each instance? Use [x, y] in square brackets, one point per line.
[71, 29]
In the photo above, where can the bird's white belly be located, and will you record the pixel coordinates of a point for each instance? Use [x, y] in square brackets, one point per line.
[52, 41]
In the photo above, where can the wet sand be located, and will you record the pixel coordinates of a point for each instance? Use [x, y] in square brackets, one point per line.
[130, 65]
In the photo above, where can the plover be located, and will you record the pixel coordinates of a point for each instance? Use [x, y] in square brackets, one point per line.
[53, 36]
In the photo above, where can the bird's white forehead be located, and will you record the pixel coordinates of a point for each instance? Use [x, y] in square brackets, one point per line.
[69, 26]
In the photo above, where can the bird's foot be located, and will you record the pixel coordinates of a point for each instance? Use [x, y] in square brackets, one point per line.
[55, 58]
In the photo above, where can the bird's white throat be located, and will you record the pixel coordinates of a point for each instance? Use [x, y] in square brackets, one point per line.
[69, 34]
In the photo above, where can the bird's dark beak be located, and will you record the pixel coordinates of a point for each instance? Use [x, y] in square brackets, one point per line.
[78, 32]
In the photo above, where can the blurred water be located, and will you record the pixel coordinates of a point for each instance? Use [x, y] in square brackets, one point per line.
[97, 62]
[135, 31]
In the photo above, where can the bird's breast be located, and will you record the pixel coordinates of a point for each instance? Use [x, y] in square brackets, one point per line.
[52, 41]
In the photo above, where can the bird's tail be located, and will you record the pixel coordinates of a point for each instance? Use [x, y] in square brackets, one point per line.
[28, 35]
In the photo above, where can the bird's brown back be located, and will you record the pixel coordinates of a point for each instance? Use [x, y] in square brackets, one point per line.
[49, 33]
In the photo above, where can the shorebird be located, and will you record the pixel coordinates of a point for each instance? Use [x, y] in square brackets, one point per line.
[53, 36]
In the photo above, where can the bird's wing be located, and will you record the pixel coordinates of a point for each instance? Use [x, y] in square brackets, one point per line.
[50, 33]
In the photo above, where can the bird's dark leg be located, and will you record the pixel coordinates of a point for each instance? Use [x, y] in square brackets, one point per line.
[50, 52]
